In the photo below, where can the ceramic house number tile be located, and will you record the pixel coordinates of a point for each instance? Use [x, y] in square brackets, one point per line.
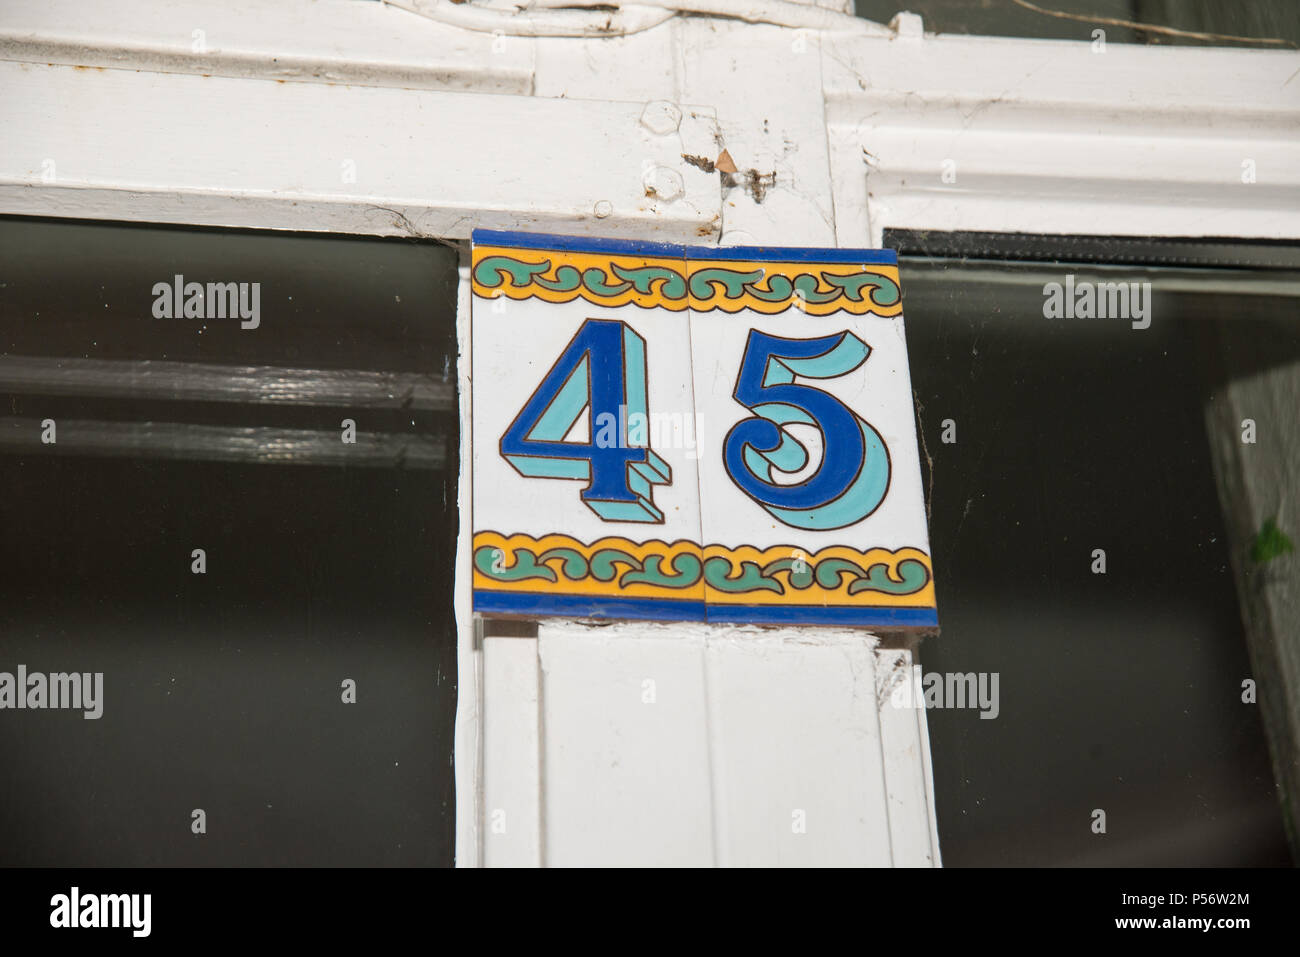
[693, 434]
[810, 487]
[586, 488]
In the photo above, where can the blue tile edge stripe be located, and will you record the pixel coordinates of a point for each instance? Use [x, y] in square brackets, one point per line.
[581, 606]
[864, 616]
[629, 247]
[577, 244]
[663, 609]
[803, 254]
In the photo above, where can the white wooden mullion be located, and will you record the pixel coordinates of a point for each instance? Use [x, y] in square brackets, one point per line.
[512, 824]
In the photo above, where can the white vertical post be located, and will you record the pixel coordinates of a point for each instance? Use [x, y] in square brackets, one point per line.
[511, 753]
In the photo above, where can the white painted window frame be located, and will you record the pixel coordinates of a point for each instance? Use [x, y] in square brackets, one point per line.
[451, 129]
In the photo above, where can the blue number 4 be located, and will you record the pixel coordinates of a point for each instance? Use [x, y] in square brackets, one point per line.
[602, 371]
[851, 480]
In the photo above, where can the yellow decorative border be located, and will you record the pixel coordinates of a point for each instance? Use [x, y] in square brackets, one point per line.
[649, 282]
[558, 260]
[816, 594]
[511, 546]
[792, 271]
[775, 576]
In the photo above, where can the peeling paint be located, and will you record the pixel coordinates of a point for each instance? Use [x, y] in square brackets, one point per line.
[700, 162]
[753, 182]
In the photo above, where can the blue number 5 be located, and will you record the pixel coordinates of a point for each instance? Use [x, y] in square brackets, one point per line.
[851, 480]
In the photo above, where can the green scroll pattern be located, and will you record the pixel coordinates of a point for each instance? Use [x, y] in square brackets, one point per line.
[685, 570]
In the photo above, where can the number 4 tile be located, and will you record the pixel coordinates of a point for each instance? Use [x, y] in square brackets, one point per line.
[585, 452]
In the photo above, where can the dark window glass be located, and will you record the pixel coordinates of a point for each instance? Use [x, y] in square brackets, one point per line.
[325, 561]
[1119, 691]
[1122, 21]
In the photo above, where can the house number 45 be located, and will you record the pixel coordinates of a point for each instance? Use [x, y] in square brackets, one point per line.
[603, 369]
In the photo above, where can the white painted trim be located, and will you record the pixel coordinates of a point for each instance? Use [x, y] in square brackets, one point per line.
[219, 151]
[625, 782]
[761, 746]
[927, 768]
[512, 741]
[295, 41]
[468, 749]
[905, 756]
[1050, 137]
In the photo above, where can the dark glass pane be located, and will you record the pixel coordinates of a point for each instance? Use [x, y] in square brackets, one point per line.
[326, 562]
[1119, 691]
